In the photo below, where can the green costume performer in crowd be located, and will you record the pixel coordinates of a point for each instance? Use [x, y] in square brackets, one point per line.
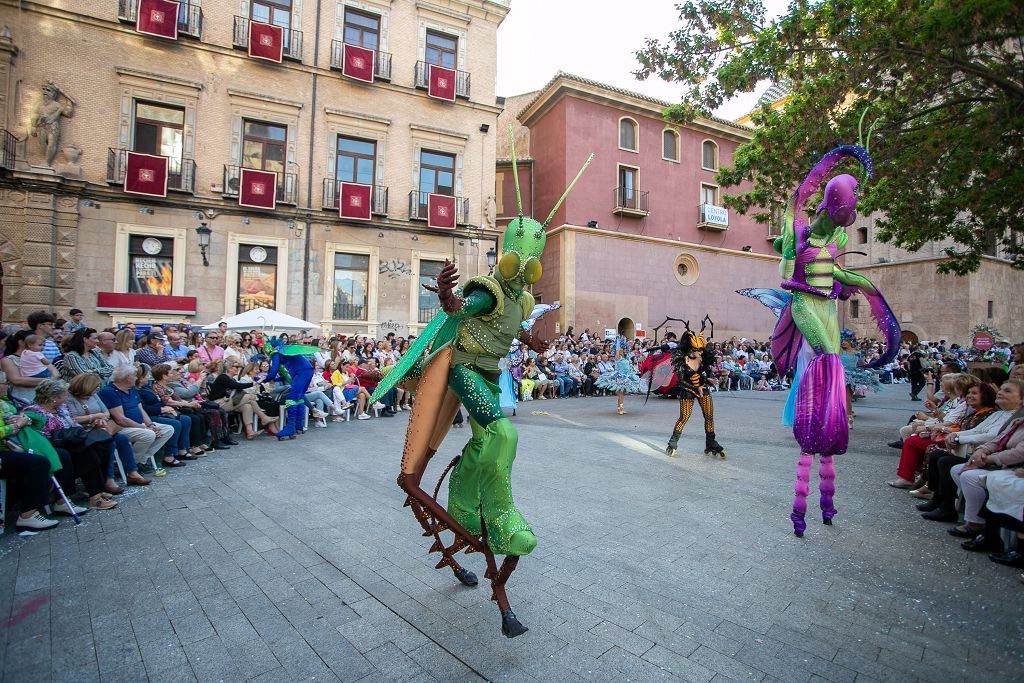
[455, 360]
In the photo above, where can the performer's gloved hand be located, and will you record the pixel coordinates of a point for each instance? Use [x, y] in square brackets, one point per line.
[447, 279]
[535, 344]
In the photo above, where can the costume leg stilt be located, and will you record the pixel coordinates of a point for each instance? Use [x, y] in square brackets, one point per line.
[685, 410]
[801, 489]
[827, 487]
[464, 484]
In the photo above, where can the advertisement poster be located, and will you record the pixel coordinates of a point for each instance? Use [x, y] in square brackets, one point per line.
[257, 286]
[150, 275]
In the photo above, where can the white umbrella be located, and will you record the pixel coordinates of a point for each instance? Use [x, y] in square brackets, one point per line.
[263, 318]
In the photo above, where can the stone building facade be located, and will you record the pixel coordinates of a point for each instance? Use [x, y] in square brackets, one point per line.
[643, 235]
[72, 235]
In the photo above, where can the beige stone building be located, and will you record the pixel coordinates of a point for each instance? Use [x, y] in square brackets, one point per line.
[88, 93]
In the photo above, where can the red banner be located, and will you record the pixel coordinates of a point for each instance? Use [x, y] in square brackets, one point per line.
[145, 303]
[441, 82]
[145, 174]
[257, 189]
[356, 202]
[440, 211]
[358, 62]
[266, 41]
[157, 18]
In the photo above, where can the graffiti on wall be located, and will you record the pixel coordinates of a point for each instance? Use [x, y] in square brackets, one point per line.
[395, 268]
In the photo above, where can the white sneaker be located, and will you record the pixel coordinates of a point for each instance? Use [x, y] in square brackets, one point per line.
[321, 423]
[36, 523]
[318, 414]
[378, 406]
[363, 416]
[61, 509]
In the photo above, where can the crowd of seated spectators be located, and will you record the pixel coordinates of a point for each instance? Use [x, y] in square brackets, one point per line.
[962, 455]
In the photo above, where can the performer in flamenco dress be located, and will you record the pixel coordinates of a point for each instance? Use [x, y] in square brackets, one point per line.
[692, 361]
[806, 337]
[456, 360]
[624, 379]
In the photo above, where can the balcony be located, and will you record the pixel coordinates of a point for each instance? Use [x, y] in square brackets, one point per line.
[428, 314]
[8, 149]
[287, 185]
[631, 202]
[190, 16]
[181, 173]
[418, 208]
[292, 39]
[332, 190]
[461, 80]
[344, 311]
[714, 218]
[381, 68]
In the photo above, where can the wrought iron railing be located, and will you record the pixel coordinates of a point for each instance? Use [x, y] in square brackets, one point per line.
[8, 149]
[292, 38]
[427, 314]
[631, 200]
[181, 173]
[418, 207]
[461, 79]
[343, 311]
[378, 198]
[190, 16]
[381, 67]
[287, 185]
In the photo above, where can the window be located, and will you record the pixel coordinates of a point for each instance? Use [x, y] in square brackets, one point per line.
[862, 235]
[709, 156]
[263, 146]
[437, 176]
[628, 134]
[276, 12]
[351, 281]
[257, 277]
[355, 160]
[361, 29]
[854, 308]
[629, 184]
[429, 303]
[708, 194]
[150, 264]
[441, 49]
[670, 145]
[159, 130]
[990, 311]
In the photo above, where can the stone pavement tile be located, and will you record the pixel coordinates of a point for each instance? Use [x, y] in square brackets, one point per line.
[215, 606]
[865, 666]
[177, 674]
[239, 587]
[211, 661]
[253, 658]
[159, 645]
[192, 628]
[205, 586]
[30, 673]
[180, 604]
[634, 667]
[627, 640]
[363, 635]
[585, 666]
[393, 663]
[733, 668]
[434, 660]
[74, 658]
[682, 644]
[591, 644]
[678, 665]
[810, 641]
[299, 659]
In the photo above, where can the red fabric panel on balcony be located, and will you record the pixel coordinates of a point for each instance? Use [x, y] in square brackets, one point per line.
[157, 18]
[145, 174]
[356, 201]
[257, 189]
[145, 303]
[441, 82]
[359, 63]
[440, 211]
[266, 41]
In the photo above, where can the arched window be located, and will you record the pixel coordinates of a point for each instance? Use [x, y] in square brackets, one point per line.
[628, 134]
[709, 156]
[670, 145]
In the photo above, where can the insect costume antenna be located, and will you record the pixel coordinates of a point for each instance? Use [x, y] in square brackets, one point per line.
[567, 190]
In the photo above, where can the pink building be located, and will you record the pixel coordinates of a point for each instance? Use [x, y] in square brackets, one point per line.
[644, 234]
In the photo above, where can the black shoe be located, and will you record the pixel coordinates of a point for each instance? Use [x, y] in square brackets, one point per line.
[965, 532]
[895, 444]
[1010, 559]
[220, 446]
[914, 398]
[940, 515]
[983, 544]
[929, 505]
[385, 413]
[229, 441]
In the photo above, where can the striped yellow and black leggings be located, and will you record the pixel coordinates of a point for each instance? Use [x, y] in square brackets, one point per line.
[707, 407]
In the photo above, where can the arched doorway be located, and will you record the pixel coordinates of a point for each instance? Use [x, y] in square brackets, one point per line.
[909, 336]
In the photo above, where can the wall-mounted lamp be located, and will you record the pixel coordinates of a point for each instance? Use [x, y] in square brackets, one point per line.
[747, 248]
[484, 127]
[146, 210]
[204, 232]
[291, 224]
[415, 238]
[591, 224]
[245, 220]
[380, 234]
[492, 258]
[91, 204]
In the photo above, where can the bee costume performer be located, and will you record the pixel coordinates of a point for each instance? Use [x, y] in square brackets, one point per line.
[455, 360]
[692, 361]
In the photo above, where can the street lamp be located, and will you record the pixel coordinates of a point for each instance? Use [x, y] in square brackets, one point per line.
[204, 232]
[492, 258]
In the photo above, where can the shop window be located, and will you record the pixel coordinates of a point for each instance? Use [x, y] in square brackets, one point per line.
[257, 277]
[150, 264]
[351, 282]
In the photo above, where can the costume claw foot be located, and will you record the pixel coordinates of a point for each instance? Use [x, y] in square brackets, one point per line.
[671, 452]
[466, 577]
[510, 626]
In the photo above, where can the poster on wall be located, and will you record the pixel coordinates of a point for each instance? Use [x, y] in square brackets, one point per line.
[257, 277]
[150, 265]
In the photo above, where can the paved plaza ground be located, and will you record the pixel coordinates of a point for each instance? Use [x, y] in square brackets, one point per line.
[296, 561]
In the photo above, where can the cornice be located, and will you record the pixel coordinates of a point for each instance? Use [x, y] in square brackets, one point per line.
[260, 97]
[662, 241]
[153, 76]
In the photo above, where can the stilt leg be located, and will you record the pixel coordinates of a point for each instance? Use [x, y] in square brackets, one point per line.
[827, 487]
[801, 489]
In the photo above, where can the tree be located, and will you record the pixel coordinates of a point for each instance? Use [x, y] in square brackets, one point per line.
[942, 82]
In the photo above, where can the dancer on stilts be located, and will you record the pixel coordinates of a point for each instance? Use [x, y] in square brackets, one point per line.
[692, 361]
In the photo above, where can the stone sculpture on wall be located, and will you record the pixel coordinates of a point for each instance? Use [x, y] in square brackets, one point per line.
[72, 168]
[490, 212]
[47, 124]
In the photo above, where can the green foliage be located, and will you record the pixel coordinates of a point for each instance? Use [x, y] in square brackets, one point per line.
[944, 84]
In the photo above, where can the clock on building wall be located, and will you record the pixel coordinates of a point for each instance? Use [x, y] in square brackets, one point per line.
[258, 254]
[152, 246]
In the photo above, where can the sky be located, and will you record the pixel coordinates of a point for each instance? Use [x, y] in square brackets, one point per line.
[595, 39]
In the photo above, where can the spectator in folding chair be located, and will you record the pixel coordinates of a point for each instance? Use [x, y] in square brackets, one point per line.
[125, 406]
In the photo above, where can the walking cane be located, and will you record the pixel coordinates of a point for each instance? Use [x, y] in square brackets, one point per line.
[71, 509]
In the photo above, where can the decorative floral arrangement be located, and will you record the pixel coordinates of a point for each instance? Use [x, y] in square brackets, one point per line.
[974, 355]
[985, 327]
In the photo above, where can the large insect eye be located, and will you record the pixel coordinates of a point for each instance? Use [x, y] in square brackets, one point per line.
[508, 266]
[533, 271]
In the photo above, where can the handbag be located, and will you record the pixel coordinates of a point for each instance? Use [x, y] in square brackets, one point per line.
[79, 438]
